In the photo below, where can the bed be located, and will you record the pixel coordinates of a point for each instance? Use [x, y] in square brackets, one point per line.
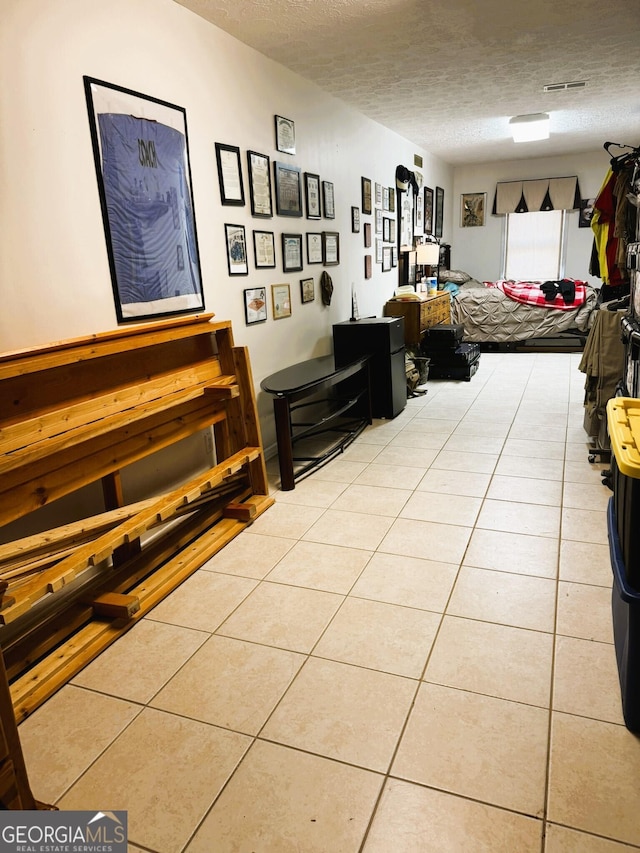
[490, 315]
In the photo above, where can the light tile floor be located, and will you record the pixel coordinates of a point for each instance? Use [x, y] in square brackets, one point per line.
[412, 651]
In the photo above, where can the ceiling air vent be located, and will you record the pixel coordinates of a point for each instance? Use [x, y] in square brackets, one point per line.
[561, 87]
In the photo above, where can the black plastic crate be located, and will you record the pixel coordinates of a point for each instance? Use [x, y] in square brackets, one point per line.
[630, 331]
[445, 335]
[461, 356]
[443, 371]
[625, 611]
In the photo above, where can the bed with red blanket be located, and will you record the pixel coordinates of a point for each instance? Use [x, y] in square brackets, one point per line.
[519, 312]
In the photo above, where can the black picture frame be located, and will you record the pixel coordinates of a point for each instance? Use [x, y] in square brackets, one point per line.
[312, 195]
[328, 200]
[236, 240]
[285, 135]
[292, 252]
[428, 211]
[259, 170]
[365, 185]
[230, 174]
[392, 200]
[171, 283]
[330, 248]
[314, 247]
[386, 258]
[367, 266]
[264, 250]
[255, 305]
[367, 235]
[355, 220]
[439, 212]
[288, 189]
[307, 290]
[386, 229]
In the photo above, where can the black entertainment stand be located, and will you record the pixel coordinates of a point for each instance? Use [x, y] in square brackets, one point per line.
[336, 408]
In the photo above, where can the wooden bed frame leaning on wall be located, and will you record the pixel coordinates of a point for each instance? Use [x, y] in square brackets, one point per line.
[77, 412]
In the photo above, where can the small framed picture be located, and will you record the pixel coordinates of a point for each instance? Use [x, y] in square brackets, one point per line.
[394, 256]
[586, 212]
[307, 290]
[264, 249]
[259, 184]
[312, 195]
[385, 198]
[285, 135]
[291, 252]
[367, 266]
[392, 200]
[378, 195]
[280, 301]
[378, 251]
[328, 203]
[236, 250]
[418, 223]
[355, 220]
[330, 248]
[378, 221]
[229, 174]
[386, 258]
[314, 247]
[386, 229]
[366, 195]
[472, 207]
[367, 235]
[288, 189]
[255, 305]
[439, 212]
[428, 211]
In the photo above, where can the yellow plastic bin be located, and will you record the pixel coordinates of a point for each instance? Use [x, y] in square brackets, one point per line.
[623, 421]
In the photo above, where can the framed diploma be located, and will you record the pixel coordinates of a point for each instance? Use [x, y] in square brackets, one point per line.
[285, 135]
[314, 248]
[312, 195]
[291, 252]
[288, 190]
[230, 174]
[281, 301]
[328, 203]
[330, 248]
[264, 249]
[259, 184]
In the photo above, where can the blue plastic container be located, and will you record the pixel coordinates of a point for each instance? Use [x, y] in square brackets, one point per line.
[625, 607]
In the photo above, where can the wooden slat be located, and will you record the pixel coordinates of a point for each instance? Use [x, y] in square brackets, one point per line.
[31, 690]
[116, 605]
[31, 440]
[94, 553]
[25, 491]
[57, 353]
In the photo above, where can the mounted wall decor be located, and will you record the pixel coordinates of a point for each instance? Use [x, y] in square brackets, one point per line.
[281, 301]
[328, 200]
[229, 174]
[264, 249]
[288, 189]
[366, 195]
[255, 305]
[285, 135]
[330, 248]
[259, 184]
[291, 252]
[236, 249]
[439, 214]
[472, 209]
[428, 211]
[312, 195]
[141, 156]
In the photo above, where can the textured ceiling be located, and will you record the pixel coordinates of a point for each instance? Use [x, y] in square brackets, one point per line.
[448, 74]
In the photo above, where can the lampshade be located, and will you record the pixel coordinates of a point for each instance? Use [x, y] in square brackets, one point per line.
[427, 254]
[529, 128]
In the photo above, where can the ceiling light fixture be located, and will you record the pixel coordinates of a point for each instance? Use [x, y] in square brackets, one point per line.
[529, 128]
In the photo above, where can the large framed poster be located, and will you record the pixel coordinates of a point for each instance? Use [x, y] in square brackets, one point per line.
[144, 179]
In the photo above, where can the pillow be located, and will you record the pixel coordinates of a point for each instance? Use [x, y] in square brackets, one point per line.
[456, 276]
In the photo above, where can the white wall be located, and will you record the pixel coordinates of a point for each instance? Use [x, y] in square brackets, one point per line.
[54, 274]
[478, 250]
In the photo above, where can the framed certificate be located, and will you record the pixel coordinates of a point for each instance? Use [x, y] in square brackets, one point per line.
[330, 248]
[291, 252]
[259, 184]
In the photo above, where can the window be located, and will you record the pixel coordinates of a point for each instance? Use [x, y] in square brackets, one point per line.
[534, 246]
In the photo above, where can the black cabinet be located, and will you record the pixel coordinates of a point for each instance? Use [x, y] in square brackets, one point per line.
[382, 339]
